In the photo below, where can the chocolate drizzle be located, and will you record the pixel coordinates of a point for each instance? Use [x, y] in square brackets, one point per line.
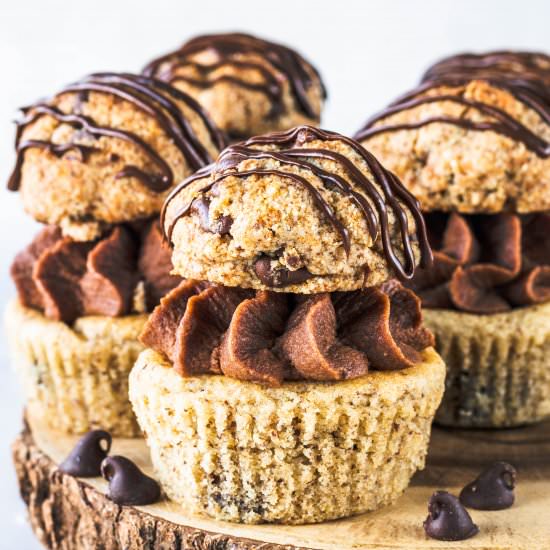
[268, 337]
[523, 65]
[529, 87]
[486, 263]
[153, 97]
[228, 48]
[372, 204]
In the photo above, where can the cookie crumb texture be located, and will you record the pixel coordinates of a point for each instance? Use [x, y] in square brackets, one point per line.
[302, 453]
[249, 86]
[106, 150]
[76, 378]
[294, 199]
[498, 366]
[449, 167]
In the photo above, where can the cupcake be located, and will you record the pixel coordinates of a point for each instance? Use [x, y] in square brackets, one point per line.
[248, 85]
[472, 143]
[94, 163]
[289, 377]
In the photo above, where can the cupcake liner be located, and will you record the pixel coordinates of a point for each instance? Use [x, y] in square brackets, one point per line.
[498, 366]
[304, 452]
[76, 378]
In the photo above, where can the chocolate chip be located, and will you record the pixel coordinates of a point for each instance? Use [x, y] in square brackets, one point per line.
[128, 485]
[304, 136]
[86, 457]
[222, 225]
[492, 490]
[294, 261]
[279, 277]
[448, 519]
[200, 207]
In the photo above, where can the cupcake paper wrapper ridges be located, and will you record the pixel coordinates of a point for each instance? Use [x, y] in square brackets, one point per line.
[498, 366]
[304, 452]
[76, 378]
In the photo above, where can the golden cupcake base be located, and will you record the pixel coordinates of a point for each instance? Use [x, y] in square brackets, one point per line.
[304, 452]
[76, 378]
[498, 366]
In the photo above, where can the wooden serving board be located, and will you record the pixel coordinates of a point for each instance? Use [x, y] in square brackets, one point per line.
[67, 513]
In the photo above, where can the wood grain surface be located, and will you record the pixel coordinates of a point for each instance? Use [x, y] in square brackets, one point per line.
[67, 513]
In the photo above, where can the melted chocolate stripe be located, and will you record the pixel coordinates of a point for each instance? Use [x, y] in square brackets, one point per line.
[271, 88]
[497, 60]
[142, 92]
[57, 149]
[147, 100]
[216, 135]
[153, 181]
[147, 86]
[531, 92]
[525, 75]
[393, 191]
[506, 125]
[174, 132]
[285, 60]
[320, 203]
[386, 180]
[343, 185]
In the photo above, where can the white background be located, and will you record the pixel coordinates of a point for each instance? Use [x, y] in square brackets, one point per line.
[367, 51]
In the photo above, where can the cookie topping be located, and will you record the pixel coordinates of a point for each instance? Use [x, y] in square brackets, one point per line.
[152, 97]
[486, 264]
[450, 82]
[269, 337]
[532, 66]
[229, 49]
[492, 490]
[88, 454]
[128, 485]
[284, 155]
[448, 519]
[279, 277]
[67, 279]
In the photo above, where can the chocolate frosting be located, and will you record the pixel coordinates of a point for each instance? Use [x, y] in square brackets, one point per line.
[229, 47]
[287, 148]
[486, 263]
[153, 97]
[66, 279]
[524, 75]
[269, 337]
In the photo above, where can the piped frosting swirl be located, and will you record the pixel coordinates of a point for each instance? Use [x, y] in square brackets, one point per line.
[486, 264]
[269, 337]
[67, 279]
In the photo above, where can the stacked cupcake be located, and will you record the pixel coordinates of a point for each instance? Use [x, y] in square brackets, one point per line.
[248, 85]
[472, 143]
[94, 163]
[289, 377]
